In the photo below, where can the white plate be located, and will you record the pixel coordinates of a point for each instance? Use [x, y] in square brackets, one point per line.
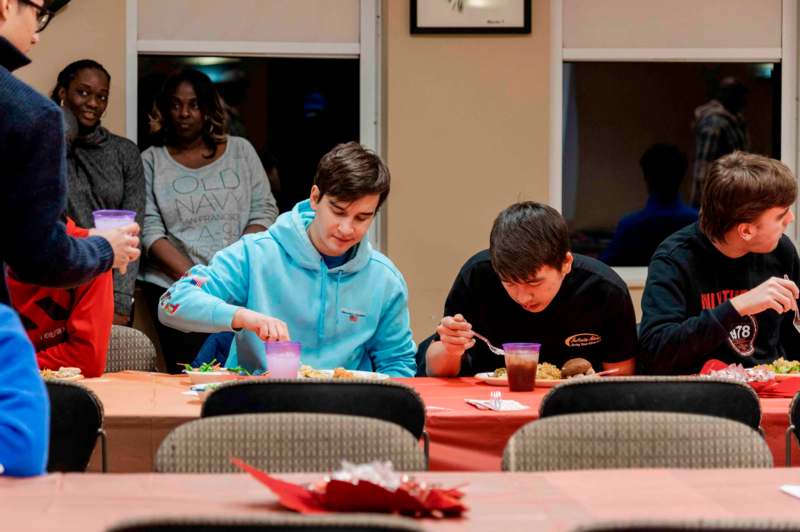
[200, 377]
[489, 378]
[356, 374]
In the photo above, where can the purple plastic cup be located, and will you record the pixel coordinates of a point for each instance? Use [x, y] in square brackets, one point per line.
[110, 219]
[283, 359]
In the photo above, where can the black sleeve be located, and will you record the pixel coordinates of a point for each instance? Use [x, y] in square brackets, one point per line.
[671, 341]
[462, 300]
[620, 326]
[790, 337]
[34, 242]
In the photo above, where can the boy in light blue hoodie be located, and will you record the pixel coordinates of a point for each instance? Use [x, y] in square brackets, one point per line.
[311, 277]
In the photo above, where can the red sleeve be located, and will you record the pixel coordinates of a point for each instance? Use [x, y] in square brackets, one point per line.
[74, 230]
[88, 329]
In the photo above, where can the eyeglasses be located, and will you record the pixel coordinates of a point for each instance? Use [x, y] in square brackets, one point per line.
[43, 15]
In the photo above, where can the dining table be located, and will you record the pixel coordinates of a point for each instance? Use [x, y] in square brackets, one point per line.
[546, 501]
[141, 408]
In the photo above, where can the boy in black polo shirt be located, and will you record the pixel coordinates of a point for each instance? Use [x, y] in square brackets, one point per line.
[528, 287]
[725, 287]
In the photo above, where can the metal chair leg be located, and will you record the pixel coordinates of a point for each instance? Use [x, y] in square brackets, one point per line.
[789, 432]
[103, 450]
[426, 447]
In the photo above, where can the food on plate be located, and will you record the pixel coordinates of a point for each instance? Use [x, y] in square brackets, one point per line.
[341, 373]
[63, 374]
[499, 373]
[548, 372]
[308, 372]
[781, 366]
[576, 367]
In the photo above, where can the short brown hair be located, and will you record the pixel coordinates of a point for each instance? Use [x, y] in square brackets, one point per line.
[739, 188]
[350, 171]
[525, 237]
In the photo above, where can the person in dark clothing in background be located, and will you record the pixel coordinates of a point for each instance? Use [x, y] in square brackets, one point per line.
[726, 288]
[528, 287]
[34, 241]
[104, 170]
[638, 234]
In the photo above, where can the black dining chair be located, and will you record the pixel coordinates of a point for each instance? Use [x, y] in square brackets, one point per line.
[386, 400]
[794, 427]
[688, 395]
[76, 421]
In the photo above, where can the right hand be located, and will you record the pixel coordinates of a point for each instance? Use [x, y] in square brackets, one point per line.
[266, 327]
[775, 293]
[455, 333]
[124, 243]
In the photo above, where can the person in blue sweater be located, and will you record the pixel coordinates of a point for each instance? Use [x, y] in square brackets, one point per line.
[311, 276]
[34, 242]
[24, 406]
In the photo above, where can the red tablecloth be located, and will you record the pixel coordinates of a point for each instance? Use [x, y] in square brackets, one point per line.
[141, 409]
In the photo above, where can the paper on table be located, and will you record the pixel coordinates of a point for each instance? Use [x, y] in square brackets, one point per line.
[506, 405]
[791, 489]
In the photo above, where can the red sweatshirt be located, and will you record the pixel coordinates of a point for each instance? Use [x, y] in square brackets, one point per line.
[67, 326]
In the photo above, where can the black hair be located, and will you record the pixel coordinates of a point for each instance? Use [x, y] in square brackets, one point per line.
[208, 100]
[69, 73]
[525, 237]
[663, 167]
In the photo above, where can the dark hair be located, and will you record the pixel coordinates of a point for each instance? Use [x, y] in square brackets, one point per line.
[663, 167]
[739, 187]
[525, 237]
[69, 73]
[350, 171]
[208, 100]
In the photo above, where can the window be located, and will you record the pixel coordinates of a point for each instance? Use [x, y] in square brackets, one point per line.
[613, 112]
[293, 110]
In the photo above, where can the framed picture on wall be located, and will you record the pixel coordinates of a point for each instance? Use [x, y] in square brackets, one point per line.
[470, 16]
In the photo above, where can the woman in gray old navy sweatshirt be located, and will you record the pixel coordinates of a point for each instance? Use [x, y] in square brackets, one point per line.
[204, 189]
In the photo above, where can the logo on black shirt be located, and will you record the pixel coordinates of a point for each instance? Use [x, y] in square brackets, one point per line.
[742, 336]
[583, 339]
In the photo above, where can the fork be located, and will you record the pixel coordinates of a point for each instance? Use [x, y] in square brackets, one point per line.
[796, 319]
[496, 397]
[493, 349]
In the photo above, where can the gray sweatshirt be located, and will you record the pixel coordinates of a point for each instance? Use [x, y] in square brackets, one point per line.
[104, 171]
[203, 210]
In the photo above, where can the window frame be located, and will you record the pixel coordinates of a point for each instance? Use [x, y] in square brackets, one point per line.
[787, 55]
[367, 50]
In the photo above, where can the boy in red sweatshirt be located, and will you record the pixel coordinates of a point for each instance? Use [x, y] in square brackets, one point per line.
[67, 326]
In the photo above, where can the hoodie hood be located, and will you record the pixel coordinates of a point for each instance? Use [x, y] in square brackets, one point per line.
[290, 231]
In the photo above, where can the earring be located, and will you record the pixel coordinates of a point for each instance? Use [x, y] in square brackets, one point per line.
[61, 102]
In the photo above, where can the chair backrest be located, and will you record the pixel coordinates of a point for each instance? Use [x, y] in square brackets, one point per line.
[617, 440]
[386, 400]
[690, 395]
[287, 442]
[130, 349]
[76, 416]
[704, 525]
[794, 415]
[279, 521]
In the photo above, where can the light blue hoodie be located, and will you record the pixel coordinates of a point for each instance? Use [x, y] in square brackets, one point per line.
[354, 316]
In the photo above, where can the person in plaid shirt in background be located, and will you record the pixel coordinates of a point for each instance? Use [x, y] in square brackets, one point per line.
[720, 129]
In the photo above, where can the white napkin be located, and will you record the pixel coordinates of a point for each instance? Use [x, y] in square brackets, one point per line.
[506, 405]
[791, 489]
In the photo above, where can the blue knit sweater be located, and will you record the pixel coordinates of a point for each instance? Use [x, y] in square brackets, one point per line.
[34, 241]
[24, 406]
